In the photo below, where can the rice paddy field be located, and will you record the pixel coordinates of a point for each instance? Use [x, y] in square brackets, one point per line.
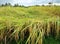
[30, 25]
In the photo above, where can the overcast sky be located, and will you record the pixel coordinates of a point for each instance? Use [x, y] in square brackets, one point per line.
[28, 2]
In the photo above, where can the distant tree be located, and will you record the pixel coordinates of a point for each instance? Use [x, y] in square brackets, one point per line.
[2, 4]
[54, 5]
[43, 5]
[16, 5]
[37, 5]
[50, 3]
[8, 4]
[22, 6]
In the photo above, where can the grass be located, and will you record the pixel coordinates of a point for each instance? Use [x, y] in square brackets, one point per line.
[31, 25]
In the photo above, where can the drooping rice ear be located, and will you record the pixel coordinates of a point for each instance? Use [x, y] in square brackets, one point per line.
[57, 30]
[48, 29]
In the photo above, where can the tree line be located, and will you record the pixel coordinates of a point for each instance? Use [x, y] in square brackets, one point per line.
[17, 5]
[9, 4]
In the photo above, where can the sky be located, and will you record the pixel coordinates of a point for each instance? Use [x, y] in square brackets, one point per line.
[28, 2]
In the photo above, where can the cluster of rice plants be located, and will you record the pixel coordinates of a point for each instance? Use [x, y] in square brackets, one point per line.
[32, 25]
[29, 32]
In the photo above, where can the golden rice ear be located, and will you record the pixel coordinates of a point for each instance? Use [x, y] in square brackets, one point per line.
[57, 30]
[48, 29]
